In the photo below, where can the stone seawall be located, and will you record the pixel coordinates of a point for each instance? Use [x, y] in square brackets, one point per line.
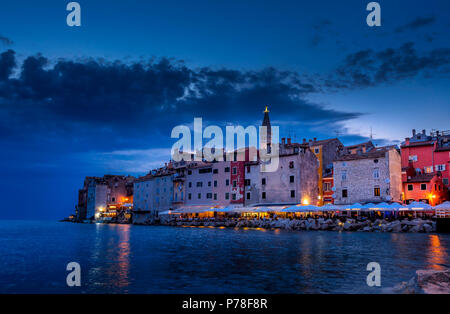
[378, 225]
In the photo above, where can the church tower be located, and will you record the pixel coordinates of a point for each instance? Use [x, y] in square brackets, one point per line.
[266, 123]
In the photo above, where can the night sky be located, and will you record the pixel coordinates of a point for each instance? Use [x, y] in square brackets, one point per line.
[103, 98]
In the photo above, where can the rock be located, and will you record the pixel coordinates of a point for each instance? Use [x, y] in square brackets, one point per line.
[347, 225]
[367, 229]
[427, 228]
[414, 229]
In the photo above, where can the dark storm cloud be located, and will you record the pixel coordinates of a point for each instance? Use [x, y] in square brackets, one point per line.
[369, 67]
[98, 104]
[418, 22]
[6, 41]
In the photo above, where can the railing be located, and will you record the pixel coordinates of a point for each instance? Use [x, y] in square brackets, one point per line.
[443, 213]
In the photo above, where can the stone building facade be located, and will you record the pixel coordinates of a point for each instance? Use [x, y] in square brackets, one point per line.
[373, 176]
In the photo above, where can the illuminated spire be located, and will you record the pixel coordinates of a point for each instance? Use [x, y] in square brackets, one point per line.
[267, 109]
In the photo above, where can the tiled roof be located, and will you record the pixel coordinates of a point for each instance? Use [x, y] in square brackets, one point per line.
[378, 152]
[415, 144]
[424, 177]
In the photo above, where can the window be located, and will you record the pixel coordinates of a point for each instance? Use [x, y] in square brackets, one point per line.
[263, 195]
[227, 196]
[207, 170]
[247, 182]
[344, 193]
[199, 184]
[234, 183]
[410, 187]
[209, 183]
[233, 197]
[428, 169]
[189, 196]
[291, 179]
[344, 175]
[227, 169]
[376, 191]
[234, 170]
[215, 183]
[440, 168]
[189, 172]
[216, 171]
[113, 199]
[327, 186]
[423, 186]
[376, 173]
[445, 181]
[292, 193]
[190, 184]
[227, 182]
[208, 195]
[263, 181]
[413, 158]
[316, 150]
[199, 196]
[215, 196]
[248, 196]
[291, 164]
[248, 169]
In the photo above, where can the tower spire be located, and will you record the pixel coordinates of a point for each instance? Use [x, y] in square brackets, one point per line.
[266, 123]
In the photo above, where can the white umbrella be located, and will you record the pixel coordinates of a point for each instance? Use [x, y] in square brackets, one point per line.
[353, 206]
[381, 206]
[445, 205]
[330, 207]
[419, 206]
[368, 207]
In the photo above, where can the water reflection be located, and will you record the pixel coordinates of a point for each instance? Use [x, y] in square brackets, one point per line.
[111, 257]
[437, 255]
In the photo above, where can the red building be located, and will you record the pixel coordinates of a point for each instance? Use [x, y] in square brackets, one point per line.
[328, 189]
[425, 167]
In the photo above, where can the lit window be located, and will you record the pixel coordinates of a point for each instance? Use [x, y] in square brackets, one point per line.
[376, 191]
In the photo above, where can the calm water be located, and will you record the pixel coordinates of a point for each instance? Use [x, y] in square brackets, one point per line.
[137, 259]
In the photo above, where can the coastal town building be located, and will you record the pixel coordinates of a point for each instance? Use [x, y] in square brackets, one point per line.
[372, 176]
[294, 182]
[426, 167]
[99, 194]
[326, 152]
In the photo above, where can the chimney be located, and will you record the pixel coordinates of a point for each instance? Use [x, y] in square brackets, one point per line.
[423, 132]
[364, 148]
[414, 132]
[407, 141]
[310, 140]
[283, 141]
[289, 140]
[304, 140]
[315, 139]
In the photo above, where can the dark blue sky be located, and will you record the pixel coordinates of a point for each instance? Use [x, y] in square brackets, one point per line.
[103, 98]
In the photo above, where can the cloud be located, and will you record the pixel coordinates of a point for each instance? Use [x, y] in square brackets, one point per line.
[6, 41]
[368, 67]
[418, 22]
[109, 105]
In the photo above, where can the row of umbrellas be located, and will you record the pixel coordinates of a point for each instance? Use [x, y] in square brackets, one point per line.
[392, 207]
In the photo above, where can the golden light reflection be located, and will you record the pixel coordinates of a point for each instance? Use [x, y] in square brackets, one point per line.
[436, 253]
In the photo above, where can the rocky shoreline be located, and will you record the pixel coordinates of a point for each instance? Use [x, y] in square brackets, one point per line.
[425, 282]
[377, 225]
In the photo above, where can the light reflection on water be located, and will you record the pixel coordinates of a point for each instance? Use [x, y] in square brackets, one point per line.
[135, 259]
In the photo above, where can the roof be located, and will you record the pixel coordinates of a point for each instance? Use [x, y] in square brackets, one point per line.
[377, 152]
[368, 143]
[424, 177]
[415, 144]
[322, 142]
